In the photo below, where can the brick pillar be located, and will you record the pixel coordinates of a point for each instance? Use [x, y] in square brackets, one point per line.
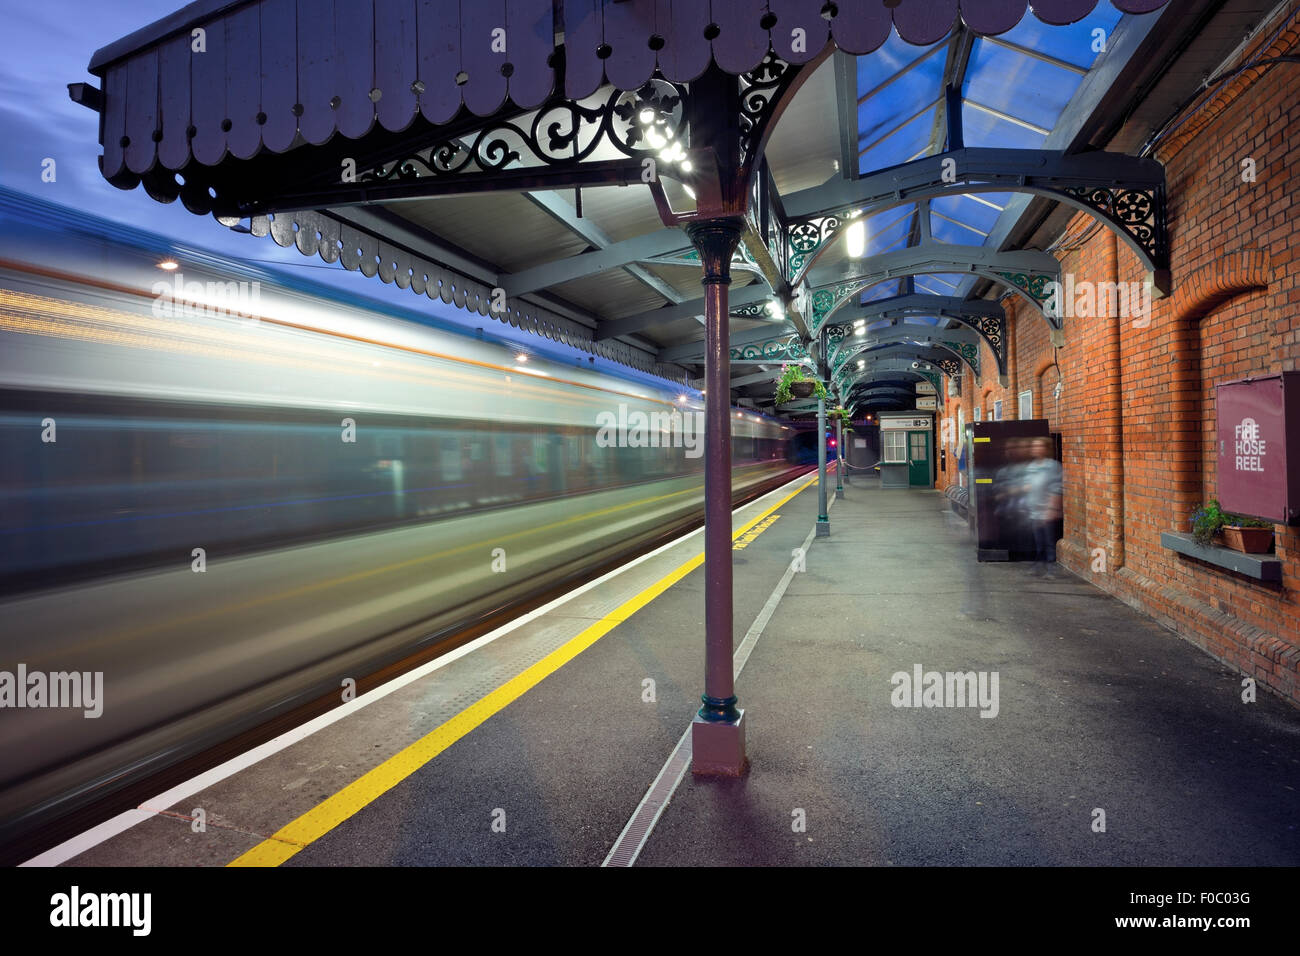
[1013, 368]
[1110, 486]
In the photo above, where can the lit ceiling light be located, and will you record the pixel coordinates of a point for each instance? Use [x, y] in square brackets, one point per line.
[778, 309]
[169, 265]
[856, 239]
[673, 154]
[686, 168]
[647, 116]
[521, 358]
[681, 399]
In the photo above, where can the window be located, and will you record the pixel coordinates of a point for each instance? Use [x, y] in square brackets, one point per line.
[976, 416]
[997, 410]
[1027, 404]
[449, 454]
[895, 446]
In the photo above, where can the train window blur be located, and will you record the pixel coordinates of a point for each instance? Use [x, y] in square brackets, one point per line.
[501, 455]
[450, 455]
[145, 480]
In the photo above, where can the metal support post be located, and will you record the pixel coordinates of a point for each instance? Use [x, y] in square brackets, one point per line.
[718, 734]
[823, 522]
[839, 457]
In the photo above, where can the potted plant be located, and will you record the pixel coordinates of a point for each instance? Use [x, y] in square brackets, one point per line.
[1239, 532]
[794, 384]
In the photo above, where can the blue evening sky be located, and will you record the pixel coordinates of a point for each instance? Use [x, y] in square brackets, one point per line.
[47, 45]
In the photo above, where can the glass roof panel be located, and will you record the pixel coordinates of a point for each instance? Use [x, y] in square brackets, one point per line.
[955, 232]
[983, 128]
[885, 290]
[895, 55]
[893, 235]
[879, 112]
[902, 144]
[1073, 43]
[979, 216]
[940, 284]
[1018, 85]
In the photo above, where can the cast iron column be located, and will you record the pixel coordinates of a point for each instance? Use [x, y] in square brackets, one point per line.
[717, 736]
[839, 457]
[823, 522]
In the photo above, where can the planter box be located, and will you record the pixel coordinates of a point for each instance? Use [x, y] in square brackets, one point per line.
[801, 389]
[1248, 540]
[1262, 568]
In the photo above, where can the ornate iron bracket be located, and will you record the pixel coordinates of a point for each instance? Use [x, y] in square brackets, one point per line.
[787, 348]
[1124, 192]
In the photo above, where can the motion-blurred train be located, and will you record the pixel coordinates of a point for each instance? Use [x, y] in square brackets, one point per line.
[226, 505]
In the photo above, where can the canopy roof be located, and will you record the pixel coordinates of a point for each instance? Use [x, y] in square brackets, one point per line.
[286, 90]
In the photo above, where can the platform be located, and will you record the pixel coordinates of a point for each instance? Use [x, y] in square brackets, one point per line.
[536, 746]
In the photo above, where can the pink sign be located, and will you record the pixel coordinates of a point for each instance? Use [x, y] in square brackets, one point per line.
[1256, 418]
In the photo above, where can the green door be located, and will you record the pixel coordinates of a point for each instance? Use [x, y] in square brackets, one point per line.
[918, 457]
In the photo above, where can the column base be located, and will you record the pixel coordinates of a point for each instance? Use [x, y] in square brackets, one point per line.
[839, 492]
[823, 528]
[718, 747]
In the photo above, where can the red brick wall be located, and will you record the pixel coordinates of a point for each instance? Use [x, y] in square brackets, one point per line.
[1136, 412]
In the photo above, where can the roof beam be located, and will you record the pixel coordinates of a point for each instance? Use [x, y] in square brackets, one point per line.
[771, 375]
[565, 214]
[920, 334]
[846, 100]
[938, 257]
[921, 304]
[613, 328]
[989, 168]
[689, 351]
[611, 255]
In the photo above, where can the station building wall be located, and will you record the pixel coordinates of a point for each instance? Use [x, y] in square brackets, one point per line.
[1136, 404]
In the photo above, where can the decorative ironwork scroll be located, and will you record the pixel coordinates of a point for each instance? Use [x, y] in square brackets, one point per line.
[759, 90]
[561, 133]
[785, 349]
[1140, 213]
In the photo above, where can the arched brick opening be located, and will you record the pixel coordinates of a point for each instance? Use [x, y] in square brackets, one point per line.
[1040, 397]
[1209, 287]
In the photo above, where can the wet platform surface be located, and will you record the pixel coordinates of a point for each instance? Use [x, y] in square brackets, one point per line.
[536, 748]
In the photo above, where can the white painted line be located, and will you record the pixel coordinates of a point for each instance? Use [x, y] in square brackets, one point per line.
[124, 821]
[638, 827]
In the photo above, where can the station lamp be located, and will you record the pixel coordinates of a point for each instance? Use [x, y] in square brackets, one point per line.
[855, 238]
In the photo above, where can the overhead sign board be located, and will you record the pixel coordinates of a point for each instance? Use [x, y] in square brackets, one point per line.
[927, 402]
[924, 388]
[910, 423]
[1259, 448]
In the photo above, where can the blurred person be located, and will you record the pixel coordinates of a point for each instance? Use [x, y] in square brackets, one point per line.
[1041, 497]
[1008, 493]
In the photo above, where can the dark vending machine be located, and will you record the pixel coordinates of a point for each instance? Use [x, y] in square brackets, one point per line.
[997, 454]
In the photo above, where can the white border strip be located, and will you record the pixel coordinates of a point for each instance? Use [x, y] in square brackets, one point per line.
[680, 758]
[126, 820]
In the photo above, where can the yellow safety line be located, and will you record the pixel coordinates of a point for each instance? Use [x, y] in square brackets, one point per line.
[332, 811]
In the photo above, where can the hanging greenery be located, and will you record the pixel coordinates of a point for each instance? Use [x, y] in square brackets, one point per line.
[786, 389]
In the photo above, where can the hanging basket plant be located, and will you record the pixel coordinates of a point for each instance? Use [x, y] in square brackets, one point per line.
[794, 384]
